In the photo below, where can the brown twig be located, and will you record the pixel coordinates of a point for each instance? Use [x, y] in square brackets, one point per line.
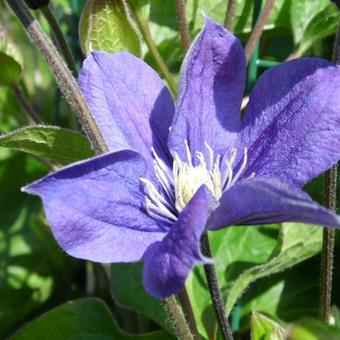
[61, 72]
[230, 14]
[182, 23]
[258, 29]
[215, 292]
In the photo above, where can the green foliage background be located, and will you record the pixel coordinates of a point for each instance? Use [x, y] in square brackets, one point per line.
[271, 269]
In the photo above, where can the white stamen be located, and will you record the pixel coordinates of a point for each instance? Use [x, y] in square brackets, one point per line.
[178, 186]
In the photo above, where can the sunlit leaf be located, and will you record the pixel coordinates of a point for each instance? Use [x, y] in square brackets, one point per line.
[263, 328]
[49, 142]
[293, 247]
[106, 25]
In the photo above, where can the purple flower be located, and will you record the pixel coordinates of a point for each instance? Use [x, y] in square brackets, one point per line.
[174, 171]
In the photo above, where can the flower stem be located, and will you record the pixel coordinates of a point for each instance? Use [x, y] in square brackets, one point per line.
[327, 253]
[182, 23]
[230, 14]
[59, 38]
[188, 313]
[215, 292]
[258, 29]
[19, 93]
[177, 318]
[61, 72]
[145, 31]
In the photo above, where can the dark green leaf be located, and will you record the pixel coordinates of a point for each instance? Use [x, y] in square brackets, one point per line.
[128, 291]
[11, 60]
[87, 318]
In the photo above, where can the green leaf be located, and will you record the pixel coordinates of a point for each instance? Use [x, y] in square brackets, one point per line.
[234, 250]
[293, 247]
[244, 255]
[106, 25]
[263, 328]
[128, 291]
[33, 269]
[87, 318]
[313, 329]
[302, 14]
[322, 25]
[52, 143]
[11, 60]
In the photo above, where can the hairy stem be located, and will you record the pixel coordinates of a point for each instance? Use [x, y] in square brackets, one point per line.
[61, 72]
[145, 31]
[59, 39]
[188, 313]
[258, 29]
[182, 23]
[215, 292]
[230, 14]
[327, 253]
[19, 93]
[177, 319]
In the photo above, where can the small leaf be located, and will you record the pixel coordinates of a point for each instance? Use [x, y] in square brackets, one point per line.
[263, 328]
[106, 25]
[128, 291]
[313, 329]
[293, 248]
[11, 60]
[52, 143]
[87, 318]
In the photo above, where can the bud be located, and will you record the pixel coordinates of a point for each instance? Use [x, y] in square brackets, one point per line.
[36, 4]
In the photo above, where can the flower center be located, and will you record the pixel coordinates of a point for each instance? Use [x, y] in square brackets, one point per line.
[177, 187]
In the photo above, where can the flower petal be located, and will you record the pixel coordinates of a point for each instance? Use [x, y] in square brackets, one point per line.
[167, 263]
[95, 210]
[211, 88]
[268, 200]
[130, 103]
[292, 123]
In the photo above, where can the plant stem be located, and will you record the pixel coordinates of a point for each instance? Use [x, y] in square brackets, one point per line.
[145, 31]
[62, 74]
[182, 23]
[258, 29]
[19, 93]
[59, 39]
[215, 292]
[177, 318]
[327, 253]
[188, 313]
[230, 14]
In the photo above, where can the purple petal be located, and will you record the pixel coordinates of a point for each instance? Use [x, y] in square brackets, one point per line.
[130, 103]
[267, 200]
[292, 122]
[211, 89]
[95, 210]
[167, 263]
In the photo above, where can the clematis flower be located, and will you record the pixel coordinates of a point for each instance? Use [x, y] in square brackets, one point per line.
[175, 171]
